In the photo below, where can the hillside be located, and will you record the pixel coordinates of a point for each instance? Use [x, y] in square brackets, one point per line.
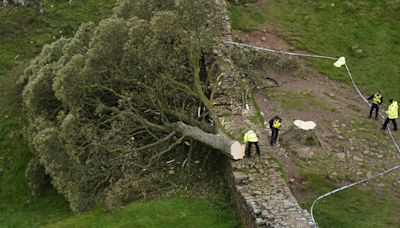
[353, 147]
[189, 190]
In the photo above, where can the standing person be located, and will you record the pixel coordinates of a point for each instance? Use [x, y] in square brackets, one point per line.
[250, 138]
[275, 124]
[392, 115]
[377, 100]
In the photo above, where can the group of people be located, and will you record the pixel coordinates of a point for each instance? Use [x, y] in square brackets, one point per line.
[251, 138]
[392, 112]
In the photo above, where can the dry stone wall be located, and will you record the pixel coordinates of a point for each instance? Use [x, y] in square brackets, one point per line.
[261, 194]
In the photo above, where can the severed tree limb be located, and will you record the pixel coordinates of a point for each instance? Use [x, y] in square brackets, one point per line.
[220, 142]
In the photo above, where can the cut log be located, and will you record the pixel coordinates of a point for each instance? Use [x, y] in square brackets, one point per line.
[304, 133]
[220, 142]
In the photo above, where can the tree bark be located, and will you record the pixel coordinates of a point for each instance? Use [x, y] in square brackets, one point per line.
[227, 146]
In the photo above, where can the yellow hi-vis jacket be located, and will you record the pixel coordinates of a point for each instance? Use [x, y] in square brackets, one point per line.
[377, 99]
[250, 136]
[393, 110]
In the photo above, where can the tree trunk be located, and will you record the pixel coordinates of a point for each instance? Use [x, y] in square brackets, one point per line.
[227, 146]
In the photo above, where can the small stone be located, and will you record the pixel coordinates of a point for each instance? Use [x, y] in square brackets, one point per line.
[357, 158]
[171, 172]
[257, 211]
[380, 156]
[239, 176]
[341, 156]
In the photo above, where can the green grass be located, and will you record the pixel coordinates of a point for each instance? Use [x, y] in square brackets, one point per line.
[297, 100]
[257, 118]
[365, 32]
[170, 212]
[351, 207]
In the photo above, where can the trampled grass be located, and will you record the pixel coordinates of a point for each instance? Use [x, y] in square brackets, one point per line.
[365, 32]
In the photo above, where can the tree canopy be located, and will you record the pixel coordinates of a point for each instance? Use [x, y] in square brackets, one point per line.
[106, 104]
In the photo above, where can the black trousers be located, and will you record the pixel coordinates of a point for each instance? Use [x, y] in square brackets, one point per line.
[387, 122]
[374, 107]
[248, 149]
[274, 135]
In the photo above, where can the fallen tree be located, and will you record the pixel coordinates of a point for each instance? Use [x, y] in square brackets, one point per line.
[106, 105]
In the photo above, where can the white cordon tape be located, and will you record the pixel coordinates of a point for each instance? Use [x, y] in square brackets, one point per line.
[358, 91]
[279, 52]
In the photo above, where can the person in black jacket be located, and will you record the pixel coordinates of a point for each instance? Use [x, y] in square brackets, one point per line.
[377, 100]
[275, 124]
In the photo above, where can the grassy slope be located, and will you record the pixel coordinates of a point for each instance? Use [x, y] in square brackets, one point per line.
[23, 32]
[171, 212]
[352, 207]
[341, 29]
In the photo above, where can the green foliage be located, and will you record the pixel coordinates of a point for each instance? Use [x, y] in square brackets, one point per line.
[249, 60]
[101, 104]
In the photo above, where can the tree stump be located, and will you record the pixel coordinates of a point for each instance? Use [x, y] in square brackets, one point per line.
[304, 133]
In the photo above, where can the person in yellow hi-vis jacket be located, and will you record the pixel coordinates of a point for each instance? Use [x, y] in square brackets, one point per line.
[392, 114]
[250, 138]
[377, 100]
[275, 124]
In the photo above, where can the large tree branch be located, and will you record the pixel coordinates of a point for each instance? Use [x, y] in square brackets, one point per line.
[199, 90]
[220, 142]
